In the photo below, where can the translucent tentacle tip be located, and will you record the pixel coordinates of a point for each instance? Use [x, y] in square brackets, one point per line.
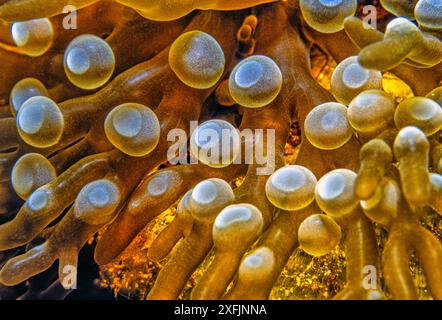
[318, 235]
[133, 128]
[237, 225]
[327, 126]
[327, 16]
[30, 172]
[385, 204]
[291, 188]
[411, 149]
[97, 202]
[183, 207]
[255, 82]
[40, 122]
[371, 112]
[209, 197]
[376, 156]
[400, 8]
[89, 62]
[335, 192]
[33, 37]
[40, 200]
[215, 143]
[402, 38]
[197, 59]
[410, 141]
[257, 265]
[428, 14]
[436, 95]
[350, 79]
[25, 89]
[436, 192]
[424, 113]
[161, 183]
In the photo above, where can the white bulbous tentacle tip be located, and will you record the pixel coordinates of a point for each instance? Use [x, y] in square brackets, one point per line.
[197, 59]
[33, 37]
[184, 206]
[40, 114]
[237, 215]
[427, 112]
[77, 61]
[375, 295]
[374, 201]
[398, 22]
[258, 263]
[209, 197]
[102, 193]
[22, 182]
[24, 90]
[89, 61]
[39, 199]
[213, 127]
[330, 120]
[410, 131]
[208, 190]
[319, 234]
[435, 3]
[327, 126]
[236, 227]
[97, 201]
[216, 143]
[332, 187]
[31, 119]
[335, 192]
[30, 172]
[231, 215]
[327, 16]
[314, 222]
[205, 192]
[99, 197]
[255, 82]
[436, 180]
[20, 33]
[334, 183]
[421, 112]
[133, 128]
[409, 136]
[157, 186]
[248, 74]
[331, 3]
[288, 179]
[128, 122]
[355, 76]
[291, 188]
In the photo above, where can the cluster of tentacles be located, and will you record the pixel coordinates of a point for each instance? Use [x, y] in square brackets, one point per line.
[84, 136]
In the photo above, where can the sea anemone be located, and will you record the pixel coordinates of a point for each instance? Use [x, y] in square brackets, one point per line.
[95, 125]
